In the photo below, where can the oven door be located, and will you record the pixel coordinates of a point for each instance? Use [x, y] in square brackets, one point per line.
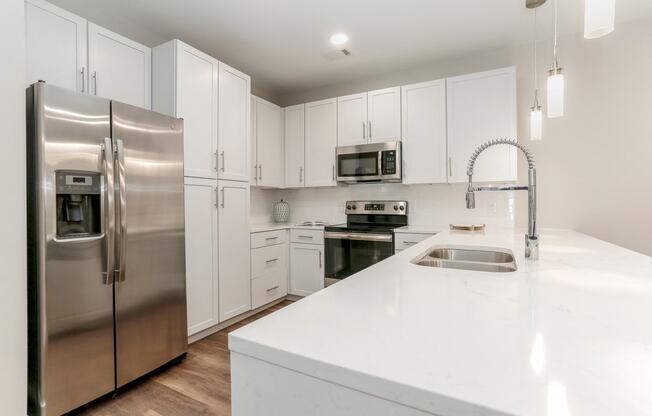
[347, 252]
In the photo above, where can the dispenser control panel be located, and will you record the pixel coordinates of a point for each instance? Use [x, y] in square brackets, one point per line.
[78, 183]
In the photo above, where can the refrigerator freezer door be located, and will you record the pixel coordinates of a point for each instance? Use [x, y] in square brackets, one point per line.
[150, 288]
[71, 358]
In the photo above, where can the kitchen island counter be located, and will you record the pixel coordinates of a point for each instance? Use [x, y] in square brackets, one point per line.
[569, 334]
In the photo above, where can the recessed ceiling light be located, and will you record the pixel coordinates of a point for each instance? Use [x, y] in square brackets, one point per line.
[339, 38]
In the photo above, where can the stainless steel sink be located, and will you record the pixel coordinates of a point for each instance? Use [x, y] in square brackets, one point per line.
[468, 258]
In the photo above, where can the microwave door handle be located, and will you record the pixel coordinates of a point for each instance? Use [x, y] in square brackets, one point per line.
[122, 191]
[109, 214]
[380, 163]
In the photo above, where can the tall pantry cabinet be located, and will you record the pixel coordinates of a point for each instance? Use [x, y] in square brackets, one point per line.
[214, 101]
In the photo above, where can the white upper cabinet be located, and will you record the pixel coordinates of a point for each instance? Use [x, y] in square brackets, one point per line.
[384, 115]
[234, 249]
[56, 46]
[294, 146]
[320, 142]
[119, 68]
[185, 85]
[424, 132]
[482, 107]
[269, 144]
[352, 119]
[202, 290]
[233, 123]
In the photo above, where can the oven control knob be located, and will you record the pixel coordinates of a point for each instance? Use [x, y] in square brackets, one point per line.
[402, 208]
[355, 207]
[348, 207]
[395, 207]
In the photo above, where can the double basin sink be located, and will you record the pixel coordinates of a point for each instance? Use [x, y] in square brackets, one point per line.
[468, 258]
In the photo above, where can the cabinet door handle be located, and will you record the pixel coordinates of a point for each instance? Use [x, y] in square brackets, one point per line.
[369, 129]
[255, 172]
[333, 172]
[94, 76]
[222, 204]
[450, 167]
[223, 160]
[320, 259]
[83, 79]
[217, 198]
[301, 174]
[271, 260]
[364, 133]
[260, 172]
[217, 161]
[272, 288]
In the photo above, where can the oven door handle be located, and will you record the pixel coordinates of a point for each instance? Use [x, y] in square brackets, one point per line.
[383, 238]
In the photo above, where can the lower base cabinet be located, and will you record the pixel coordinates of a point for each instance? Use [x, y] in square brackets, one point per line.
[269, 267]
[233, 251]
[306, 268]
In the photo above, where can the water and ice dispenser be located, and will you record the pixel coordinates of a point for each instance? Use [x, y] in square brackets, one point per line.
[78, 204]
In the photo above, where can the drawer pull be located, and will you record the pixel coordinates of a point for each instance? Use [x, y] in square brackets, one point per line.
[410, 242]
[272, 288]
[271, 238]
[306, 236]
[271, 260]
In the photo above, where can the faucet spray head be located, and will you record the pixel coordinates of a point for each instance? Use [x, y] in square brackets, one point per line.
[470, 199]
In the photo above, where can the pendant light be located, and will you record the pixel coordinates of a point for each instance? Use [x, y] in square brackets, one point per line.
[599, 16]
[555, 107]
[536, 116]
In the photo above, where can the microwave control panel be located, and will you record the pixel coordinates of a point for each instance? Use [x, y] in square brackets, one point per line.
[389, 162]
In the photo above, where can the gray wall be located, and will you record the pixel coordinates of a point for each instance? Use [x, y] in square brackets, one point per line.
[594, 170]
[13, 292]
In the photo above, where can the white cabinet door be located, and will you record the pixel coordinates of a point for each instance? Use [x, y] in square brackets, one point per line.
[119, 68]
[56, 46]
[306, 269]
[197, 104]
[269, 144]
[352, 119]
[233, 124]
[384, 115]
[253, 147]
[321, 140]
[294, 146]
[234, 249]
[482, 107]
[201, 254]
[423, 144]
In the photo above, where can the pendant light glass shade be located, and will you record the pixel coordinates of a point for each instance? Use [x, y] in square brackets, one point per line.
[599, 16]
[536, 123]
[555, 106]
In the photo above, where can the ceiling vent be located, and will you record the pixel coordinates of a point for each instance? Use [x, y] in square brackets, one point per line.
[336, 54]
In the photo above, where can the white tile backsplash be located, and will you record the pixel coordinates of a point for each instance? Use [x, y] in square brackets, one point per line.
[439, 204]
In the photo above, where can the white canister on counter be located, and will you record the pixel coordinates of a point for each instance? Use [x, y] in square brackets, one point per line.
[281, 211]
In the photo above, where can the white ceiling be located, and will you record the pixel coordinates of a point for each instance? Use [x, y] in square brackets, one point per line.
[283, 44]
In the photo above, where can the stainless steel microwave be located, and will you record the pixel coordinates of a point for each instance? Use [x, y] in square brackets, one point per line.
[376, 162]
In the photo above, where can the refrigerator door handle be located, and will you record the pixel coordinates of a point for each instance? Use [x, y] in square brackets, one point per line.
[121, 247]
[107, 150]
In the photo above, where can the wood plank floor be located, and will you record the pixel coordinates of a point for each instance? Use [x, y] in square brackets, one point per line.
[199, 385]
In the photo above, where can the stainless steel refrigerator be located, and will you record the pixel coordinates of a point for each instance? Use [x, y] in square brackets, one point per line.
[106, 265]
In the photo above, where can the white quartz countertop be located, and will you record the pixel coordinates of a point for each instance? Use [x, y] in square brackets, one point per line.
[567, 335]
[421, 229]
[259, 228]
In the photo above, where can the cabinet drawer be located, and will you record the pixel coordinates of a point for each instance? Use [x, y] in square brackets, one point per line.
[268, 259]
[403, 241]
[307, 236]
[268, 288]
[268, 238]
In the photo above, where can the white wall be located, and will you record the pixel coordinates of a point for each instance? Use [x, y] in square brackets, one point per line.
[594, 167]
[13, 288]
[428, 204]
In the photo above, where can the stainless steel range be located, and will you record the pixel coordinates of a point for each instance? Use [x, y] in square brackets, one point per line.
[365, 239]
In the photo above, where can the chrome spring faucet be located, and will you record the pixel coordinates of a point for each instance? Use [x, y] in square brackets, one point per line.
[531, 238]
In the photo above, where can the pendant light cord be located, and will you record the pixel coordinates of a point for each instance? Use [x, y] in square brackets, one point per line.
[554, 49]
[536, 78]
